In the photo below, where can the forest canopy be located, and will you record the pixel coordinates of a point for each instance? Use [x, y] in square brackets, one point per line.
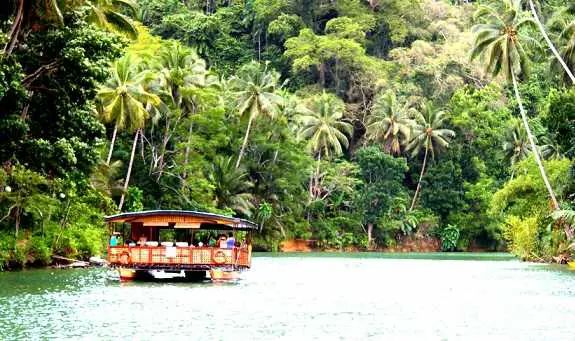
[361, 125]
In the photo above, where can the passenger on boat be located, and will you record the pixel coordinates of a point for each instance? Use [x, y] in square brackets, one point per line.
[114, 240]
[212, 241]
[231, 241]
[142, 241]
[222, 241]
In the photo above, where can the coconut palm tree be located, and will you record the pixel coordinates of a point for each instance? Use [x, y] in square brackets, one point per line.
[108, 14]
[123, 98]
[567, 52]
[124, 101]
[390, 122]
[325, 129]
[430, 136]
[499, 41]
[36, 14]
[231, 186]
[516, 144]
[183, 85]
[255, 92]
[104, 179]
[558, 57]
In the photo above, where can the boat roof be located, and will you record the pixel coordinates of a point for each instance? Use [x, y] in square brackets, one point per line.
[183, 219]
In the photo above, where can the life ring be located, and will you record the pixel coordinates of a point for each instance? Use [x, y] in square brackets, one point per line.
[125, 258]
[219, 257]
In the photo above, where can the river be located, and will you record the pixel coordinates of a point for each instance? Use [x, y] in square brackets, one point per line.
[311, 297]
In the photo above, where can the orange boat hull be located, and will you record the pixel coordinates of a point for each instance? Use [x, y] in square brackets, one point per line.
[221, 275]
[127, 274]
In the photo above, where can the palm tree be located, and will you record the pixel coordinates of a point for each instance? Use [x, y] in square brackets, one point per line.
[567, 51]
[183, 83]
[516, 144]
[108, 15]
[499, 42]
[390, 122]
[104, 179]
[255, 91]
[325, 129]
[558, 57]
[429, 136]
[231, 186]
[124, 100]
[36, 14]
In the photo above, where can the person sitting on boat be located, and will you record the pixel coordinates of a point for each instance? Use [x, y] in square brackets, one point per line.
[222, 241]
[211, 241]
[114, 240]
[231, 241]
[142, 241]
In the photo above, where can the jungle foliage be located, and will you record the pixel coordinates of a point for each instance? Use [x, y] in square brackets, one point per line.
[359, 124]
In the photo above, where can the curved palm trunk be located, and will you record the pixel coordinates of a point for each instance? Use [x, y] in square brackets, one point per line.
[549, 43]
[533, 145]
[242, 150]
[15, 29]
[112, 145]
[420, 178]
[129, 170]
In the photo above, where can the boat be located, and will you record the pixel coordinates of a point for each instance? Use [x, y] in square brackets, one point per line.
[571, 264]
[142, 245]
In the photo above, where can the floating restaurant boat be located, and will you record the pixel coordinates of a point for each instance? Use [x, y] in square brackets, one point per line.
[144, 255]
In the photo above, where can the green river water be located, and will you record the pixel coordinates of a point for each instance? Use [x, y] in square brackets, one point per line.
[302, 297]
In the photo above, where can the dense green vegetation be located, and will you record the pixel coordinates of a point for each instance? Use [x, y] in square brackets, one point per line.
[356, 124]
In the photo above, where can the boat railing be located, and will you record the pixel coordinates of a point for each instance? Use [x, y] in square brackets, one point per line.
[179, 256]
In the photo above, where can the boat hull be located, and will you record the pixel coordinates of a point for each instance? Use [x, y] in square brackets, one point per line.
[127, 274]
[571, 265]
[224, 275]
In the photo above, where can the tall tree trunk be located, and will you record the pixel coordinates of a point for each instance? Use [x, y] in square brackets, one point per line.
[314, 181]
[321, 70]
[549, 43]
[17, 219]
[112, 145]
[242, 150]
[187, 153]
[369, 235]
[129, 170]
[533, 145]
[420, 178]
[15, 29]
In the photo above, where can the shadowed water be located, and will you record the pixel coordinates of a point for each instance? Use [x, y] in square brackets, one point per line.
[342, 297]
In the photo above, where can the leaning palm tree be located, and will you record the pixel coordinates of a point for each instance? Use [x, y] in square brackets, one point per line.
[558, 57]
[231, 186]
[390, 123]
[499, 41]
[430, 136]
[325, 129]
[255, 92]
[124, 100]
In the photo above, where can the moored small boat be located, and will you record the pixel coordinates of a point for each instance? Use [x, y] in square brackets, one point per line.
[571, 264]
